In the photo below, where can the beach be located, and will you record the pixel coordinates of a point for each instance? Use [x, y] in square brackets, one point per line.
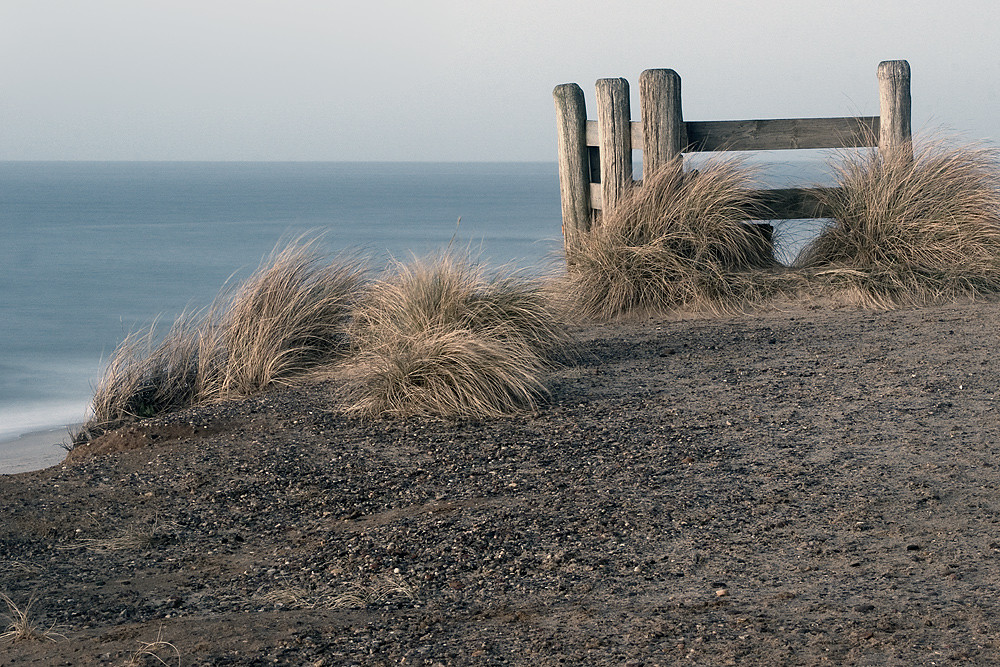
[34, 451]
[807, 485]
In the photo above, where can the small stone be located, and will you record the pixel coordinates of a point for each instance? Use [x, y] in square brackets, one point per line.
[722, 592]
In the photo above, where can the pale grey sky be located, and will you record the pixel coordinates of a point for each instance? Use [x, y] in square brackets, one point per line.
[454, 79]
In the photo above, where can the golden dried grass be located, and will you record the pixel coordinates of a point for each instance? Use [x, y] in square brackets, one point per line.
[677, 242]
[911, 232]
[286, 319]
[22, 626]
[145, 378]
[437, 337]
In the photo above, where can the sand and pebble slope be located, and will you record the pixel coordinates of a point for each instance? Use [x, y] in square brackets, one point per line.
[798, 487]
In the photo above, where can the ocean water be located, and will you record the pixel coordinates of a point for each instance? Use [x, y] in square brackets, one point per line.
[93, 251]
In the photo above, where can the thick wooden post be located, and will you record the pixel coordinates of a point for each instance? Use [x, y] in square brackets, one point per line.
[663, 133]
[894, 108]
[574, 162]
[614, 129]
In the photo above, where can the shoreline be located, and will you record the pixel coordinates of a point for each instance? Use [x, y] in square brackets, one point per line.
[34, 450]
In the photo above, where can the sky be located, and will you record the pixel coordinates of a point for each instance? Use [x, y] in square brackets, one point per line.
[464, 80]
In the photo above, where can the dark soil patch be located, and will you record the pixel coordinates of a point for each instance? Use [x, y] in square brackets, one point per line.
[142, 435]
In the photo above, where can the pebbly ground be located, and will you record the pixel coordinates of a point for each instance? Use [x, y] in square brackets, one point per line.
[801, 487]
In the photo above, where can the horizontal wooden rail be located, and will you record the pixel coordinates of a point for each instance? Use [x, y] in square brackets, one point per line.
[783, 134]
[792, 203]
[767, 135]
[771, 204]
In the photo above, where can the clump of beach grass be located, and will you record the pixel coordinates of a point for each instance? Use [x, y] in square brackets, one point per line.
[679, 241]
[145, 378]
[911, 231]
[287, 319]
[438, 337]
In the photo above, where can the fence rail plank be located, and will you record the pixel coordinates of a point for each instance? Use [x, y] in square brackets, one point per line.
[772, 204]
[595, 197]
[783, 134]
[767, 135]
[791, 204]
[594, 137]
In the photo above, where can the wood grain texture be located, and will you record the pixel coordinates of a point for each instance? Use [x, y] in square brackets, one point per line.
[790, 204]
[768, 134]
[895, 133]
[782, 134]
[595, 197]
[663, 131]
[593, 135]
[772, 204]
[574, 162]
[614, 139]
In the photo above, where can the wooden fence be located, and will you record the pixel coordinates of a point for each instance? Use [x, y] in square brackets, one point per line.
[595, 157]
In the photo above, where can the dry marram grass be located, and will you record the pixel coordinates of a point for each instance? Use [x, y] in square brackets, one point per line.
[678, 241]
[22, 627]
[286, 319]
[450, 373]
[152, 650]
[912, 232]
[144, 378]
[433, 337]
[437, 337]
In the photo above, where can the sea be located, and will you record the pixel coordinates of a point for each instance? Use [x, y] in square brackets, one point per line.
[93, 251]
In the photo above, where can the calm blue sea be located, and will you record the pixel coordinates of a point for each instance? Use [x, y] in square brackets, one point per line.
[93, 251]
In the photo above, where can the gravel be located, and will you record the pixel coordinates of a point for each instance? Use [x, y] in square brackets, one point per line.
[799, 487]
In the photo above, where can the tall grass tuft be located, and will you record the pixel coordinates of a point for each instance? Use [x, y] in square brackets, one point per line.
[912, 232]
[678, 241]
[145, 378]
[452, 373]
[287, 318]
[436, 337]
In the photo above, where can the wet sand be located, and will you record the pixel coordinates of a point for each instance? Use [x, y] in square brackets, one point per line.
[33, 451]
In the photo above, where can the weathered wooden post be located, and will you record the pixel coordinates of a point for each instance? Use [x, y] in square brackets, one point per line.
[663, 132]
[574, 162]
[614, 129]
[894, 135]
